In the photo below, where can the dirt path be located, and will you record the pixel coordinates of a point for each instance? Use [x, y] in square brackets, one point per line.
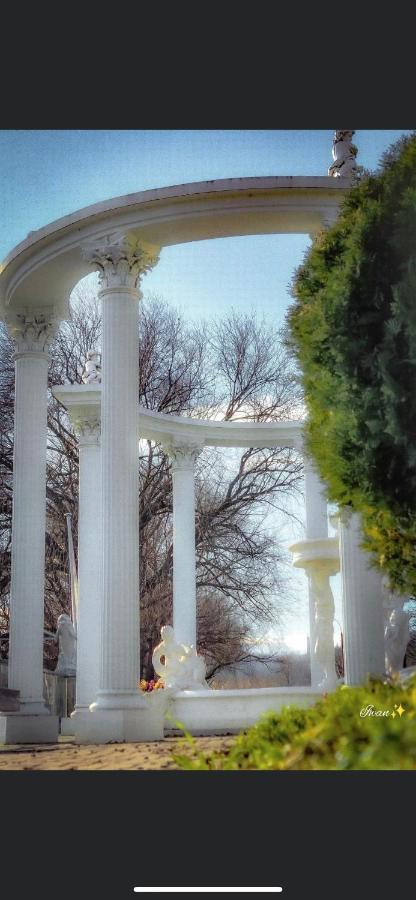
[67, 755]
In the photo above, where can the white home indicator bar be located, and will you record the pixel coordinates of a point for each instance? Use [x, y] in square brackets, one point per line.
[208, 890]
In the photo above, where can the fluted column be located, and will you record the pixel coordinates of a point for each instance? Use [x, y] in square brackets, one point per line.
[183, 457]
[362, 600]
[121, 261]
[83, 403]
[315, 502]
[32, 333]
[316, 529]
[89, 562]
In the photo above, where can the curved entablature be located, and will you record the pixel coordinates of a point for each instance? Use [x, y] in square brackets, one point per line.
[83, 401]
[159, 427]
[43, 269]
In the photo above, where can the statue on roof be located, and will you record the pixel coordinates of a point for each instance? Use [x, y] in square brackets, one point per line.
[344, 154]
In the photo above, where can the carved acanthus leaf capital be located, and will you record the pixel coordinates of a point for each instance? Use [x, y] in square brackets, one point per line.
[121, 259]
[32, 330]
[88, 430]
[183, 454]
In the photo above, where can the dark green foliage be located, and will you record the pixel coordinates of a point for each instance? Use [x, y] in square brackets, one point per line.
[330, 735]
[353, 329]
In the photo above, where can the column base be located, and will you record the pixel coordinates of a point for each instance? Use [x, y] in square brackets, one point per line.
[143, 721]
[24, 728]
[78, 720]
[66, 726]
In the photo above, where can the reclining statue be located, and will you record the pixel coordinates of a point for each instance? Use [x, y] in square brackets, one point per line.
[66, 637]
[183, 669]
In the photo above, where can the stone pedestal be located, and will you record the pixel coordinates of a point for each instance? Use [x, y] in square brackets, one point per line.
[144, 721]
[362, 599]
[9, 700]
[320, 559]
[18, 728]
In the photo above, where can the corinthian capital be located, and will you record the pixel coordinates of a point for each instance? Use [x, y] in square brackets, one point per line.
[87, 430]
[121, 259]
[32, 330]
[183, 454]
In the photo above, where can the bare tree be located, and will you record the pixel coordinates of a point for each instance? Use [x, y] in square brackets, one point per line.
[255, 374]
[234, 369]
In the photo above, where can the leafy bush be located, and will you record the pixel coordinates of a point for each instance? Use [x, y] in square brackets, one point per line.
[353, 329]
[330, 735]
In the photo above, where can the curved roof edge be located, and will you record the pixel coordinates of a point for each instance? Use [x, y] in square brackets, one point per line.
[267, 182]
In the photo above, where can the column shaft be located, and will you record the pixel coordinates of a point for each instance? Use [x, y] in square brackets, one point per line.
[120, 461]
[28, 529]
[184, 562]
[362, 598]
[89, 573]
[316, 529]
[315, 504]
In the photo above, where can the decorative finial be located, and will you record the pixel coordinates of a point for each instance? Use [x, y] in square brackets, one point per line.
[92, 368]
[343, 154]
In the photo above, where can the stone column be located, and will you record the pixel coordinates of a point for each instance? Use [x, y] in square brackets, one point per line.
[183, 457]
[316, 529]
[121, 261]
[362, 600]
[32, 332]
[83, 403]
[315, 503]
[89, 563]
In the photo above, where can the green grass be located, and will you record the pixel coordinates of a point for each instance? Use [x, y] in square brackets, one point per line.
[329, 735]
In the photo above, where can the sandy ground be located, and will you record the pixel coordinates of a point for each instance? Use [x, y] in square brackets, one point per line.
[70, 756]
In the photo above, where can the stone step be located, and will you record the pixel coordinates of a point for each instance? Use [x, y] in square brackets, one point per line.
[9, 700]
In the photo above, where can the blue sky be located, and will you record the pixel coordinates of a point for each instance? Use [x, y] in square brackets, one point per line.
[47, 174]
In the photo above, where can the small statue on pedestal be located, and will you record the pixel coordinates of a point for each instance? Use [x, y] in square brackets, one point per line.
[66, 637]
[183, 669]
[343, 154]
[92, 368]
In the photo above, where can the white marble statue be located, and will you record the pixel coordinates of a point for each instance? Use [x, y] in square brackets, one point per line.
[92, 368]
[323, 602]
[183, 669]
[343, 154]
[396, 631]
[66, 637]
